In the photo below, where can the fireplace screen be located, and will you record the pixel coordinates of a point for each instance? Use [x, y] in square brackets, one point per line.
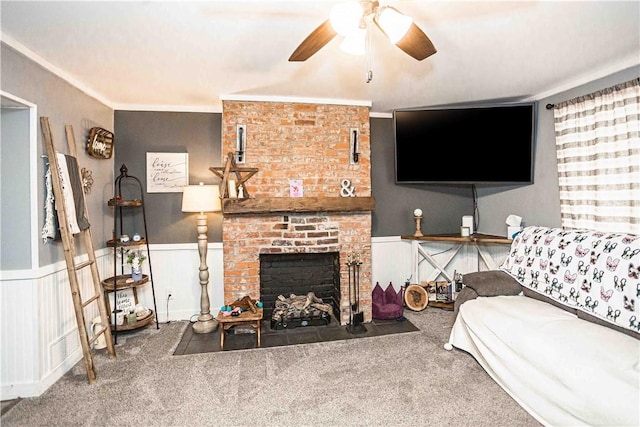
[314, 277]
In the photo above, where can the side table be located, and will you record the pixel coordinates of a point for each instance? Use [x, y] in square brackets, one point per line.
[245, 318]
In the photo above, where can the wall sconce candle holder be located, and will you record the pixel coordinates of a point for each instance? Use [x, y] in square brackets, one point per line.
[354, 154]
[241, 143]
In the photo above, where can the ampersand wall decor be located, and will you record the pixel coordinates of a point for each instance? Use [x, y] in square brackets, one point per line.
[347, 189]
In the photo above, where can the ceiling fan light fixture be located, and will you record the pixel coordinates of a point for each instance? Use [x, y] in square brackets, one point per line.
[354, 42]
[348, 16]
[345, 17]
[393, 23]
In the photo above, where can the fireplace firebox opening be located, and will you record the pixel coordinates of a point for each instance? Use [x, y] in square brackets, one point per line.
[299, 274]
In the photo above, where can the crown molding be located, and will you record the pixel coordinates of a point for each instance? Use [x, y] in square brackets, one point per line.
[69, 78]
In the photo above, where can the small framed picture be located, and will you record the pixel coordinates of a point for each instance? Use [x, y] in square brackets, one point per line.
[167, 172]
[295, 188]
[431, 289]
[126, 299]
[443, 291]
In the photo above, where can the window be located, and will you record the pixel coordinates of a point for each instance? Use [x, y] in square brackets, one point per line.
[598, 150]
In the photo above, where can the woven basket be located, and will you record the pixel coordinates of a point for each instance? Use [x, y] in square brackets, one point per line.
[100, 143]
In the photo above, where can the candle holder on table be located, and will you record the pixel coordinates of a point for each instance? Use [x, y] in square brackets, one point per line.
[417, 214]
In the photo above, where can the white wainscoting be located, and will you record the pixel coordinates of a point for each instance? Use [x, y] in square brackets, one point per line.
[39, 334]
[391, 261]
[39, 337]
[176, 268]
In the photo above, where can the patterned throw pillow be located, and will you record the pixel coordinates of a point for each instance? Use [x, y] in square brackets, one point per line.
[595, 272]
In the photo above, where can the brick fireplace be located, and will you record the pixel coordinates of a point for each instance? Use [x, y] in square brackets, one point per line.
[311, 143]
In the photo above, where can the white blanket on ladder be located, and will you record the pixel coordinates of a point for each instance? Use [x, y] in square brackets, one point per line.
[72, 197]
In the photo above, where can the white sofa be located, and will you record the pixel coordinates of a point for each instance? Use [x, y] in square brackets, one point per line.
[557, 327]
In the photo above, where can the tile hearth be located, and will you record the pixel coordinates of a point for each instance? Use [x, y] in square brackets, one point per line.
[206, 343]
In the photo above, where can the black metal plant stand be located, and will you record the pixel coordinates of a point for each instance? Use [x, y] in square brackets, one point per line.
[119, 247]
[356, 317]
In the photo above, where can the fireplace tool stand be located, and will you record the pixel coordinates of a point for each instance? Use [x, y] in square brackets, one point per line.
[356, 317]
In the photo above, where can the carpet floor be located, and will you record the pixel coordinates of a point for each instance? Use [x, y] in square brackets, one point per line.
[242, 338]
[397, 379]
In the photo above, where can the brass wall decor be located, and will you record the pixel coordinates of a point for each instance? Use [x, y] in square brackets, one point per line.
[100, 143]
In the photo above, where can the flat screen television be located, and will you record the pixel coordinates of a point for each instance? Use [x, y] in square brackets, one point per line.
[479, 144]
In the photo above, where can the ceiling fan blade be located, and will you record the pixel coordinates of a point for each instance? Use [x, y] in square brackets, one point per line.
[416, 43]
[314, 42]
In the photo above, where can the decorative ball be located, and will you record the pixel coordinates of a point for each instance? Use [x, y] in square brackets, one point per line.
[259, 304]
[417, 212]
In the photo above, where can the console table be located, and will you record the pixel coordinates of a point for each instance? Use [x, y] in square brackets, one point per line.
[477, 240]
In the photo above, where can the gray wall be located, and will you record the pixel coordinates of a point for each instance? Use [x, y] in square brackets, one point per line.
[539, 204]
[64, 104]
[443, 205]
[198, 134]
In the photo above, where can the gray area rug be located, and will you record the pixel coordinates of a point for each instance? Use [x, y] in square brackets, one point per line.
[405, 379]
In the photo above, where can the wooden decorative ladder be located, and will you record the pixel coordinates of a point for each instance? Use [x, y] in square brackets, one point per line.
[68, 243]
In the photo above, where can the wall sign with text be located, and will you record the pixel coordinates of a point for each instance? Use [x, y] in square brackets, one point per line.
[126, 300]
[167, 172]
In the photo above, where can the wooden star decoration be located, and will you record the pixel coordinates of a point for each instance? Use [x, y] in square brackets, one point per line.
[229, 167]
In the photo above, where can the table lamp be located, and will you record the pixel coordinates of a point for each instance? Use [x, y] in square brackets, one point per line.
[202, 198]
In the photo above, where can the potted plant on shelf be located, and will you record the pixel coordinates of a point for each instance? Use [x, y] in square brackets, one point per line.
[135, 258]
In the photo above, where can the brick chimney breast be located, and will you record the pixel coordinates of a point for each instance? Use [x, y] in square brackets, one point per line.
[311, 143]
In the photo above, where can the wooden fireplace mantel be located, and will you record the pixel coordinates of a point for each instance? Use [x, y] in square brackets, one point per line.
[268, 205]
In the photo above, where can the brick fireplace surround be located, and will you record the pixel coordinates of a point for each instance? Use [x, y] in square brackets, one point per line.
[308, 142]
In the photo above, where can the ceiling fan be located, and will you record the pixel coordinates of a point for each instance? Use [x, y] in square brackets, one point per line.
[351, 19]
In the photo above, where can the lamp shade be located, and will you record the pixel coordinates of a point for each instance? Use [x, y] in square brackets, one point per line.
[201, 198]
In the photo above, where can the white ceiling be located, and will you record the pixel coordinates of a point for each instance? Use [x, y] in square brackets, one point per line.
[185, 56]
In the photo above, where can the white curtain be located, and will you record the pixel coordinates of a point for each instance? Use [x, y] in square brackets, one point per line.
[598, 150]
